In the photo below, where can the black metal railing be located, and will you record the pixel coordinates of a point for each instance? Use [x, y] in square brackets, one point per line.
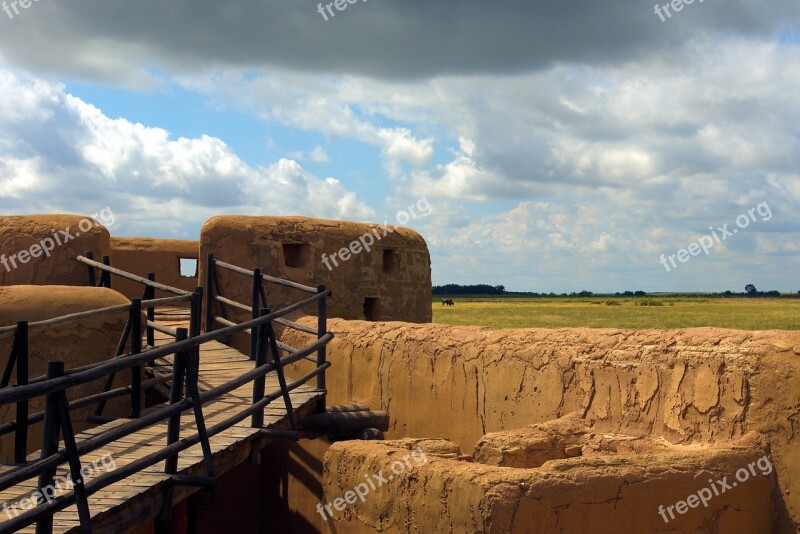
[133, 328]
[184, 395]
[215, 300]
[150, 287]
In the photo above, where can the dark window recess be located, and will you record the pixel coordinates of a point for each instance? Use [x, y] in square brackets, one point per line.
[188, 267]
[370, 309]
[391, 260]
[296, 254]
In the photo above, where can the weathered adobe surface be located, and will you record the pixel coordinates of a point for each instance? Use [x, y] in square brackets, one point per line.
[572, 436]
[688, 386]
[76, 343]
[402, 287]
[605, 492]
[18, 233]
[567, 437]
[143, 255]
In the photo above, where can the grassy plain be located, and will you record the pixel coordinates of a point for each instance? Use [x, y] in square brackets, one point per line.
[617, 312]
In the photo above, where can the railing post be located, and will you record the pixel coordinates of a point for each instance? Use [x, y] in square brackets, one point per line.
[264, 303]
[193, 390]
[105, 277]
[136, 348]
[123, 341]
[196, 312]
[255, 306]
[149, 294]
[49, 441]
[92, 276]
[210, 266]
[73, 457]
[322, 329]
[12, 360]
[257, 421]
[21, 356]
[276, 356]
[175, 395]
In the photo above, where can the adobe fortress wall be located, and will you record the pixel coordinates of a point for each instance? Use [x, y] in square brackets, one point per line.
[694, 386]
[424, 486]
[40, 249]
[143, 255]
[390, 281]
[75, 343]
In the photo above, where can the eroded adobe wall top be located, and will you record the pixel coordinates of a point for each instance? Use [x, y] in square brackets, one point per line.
[24, 238]
[689, 386]
[292, 225]
[38, 303]
[414, 488]
[143, 255]
[76, 343]
[184, 247]
[374, 272]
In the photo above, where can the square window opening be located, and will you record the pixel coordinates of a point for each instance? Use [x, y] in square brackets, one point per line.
[296, 254]
[391, 261]
[188, 267]
[370, 309]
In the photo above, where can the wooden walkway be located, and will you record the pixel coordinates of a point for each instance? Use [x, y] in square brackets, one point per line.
[141, 497]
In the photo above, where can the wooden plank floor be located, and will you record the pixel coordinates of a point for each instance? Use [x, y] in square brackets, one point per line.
[139, 498]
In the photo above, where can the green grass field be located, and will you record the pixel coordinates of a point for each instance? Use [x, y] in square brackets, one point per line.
[614, 312]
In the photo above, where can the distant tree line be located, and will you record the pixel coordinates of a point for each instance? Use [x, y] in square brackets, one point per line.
[485, 289]
[751, 291]
[475, 289]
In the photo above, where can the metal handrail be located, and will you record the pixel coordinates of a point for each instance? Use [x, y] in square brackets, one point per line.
[279, 281]
[133, 277]
[185, 364]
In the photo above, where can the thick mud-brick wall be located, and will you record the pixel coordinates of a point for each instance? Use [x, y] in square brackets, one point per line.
[40, 249]
[688, 386]
[76, 343]
[143, 255]
[603, 493]
[373, 276]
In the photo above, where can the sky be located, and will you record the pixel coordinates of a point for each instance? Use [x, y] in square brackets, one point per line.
[562, 145]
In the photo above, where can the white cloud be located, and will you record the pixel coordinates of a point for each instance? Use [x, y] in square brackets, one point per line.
[461, 178]
[62, 154]
[317, 155]
[567, 172]
[653, 152]
[339, 107]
